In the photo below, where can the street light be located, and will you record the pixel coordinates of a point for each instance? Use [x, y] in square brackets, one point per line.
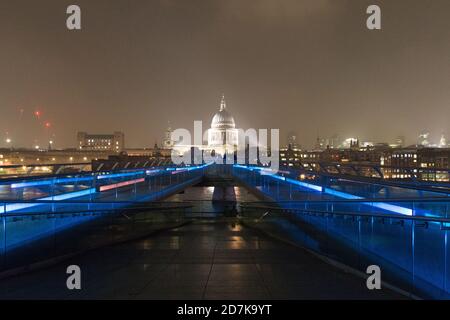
[8, 142]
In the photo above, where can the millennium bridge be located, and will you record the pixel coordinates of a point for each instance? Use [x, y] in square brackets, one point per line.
[221, 232]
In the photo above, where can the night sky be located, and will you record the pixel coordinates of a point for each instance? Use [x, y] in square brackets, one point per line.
[308, 66]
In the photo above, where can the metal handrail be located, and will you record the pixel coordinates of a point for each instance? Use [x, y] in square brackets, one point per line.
[107, 210]
[82, 201]
[364, 200]
[358, 214]
[437, 187]
[104, 202]
[80, 173]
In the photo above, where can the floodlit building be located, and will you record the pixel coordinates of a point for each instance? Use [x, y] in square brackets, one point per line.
[101, 142]
[443, 142]
[223, 135]
[167, 142]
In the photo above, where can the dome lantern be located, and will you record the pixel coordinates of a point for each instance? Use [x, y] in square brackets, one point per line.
[223, 119]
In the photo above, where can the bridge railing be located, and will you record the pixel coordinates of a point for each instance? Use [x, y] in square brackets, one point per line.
[52, 216]
[44, 230]
[406, 237]
[363, 186]
[412, 251]
[410, 174]
[108, 185]
[288, 185]
[55, 230]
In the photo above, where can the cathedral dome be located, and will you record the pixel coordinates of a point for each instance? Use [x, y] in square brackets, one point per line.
[223, 119]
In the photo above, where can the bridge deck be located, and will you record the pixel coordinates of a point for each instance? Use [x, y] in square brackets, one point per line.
[207, 259]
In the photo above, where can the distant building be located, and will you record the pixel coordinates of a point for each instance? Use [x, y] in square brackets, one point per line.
[405, 163]
[334, 141]
[424, 139]
[156, 151]
[27, 157]
[354, 145]
[101, 142]
[399, 142]
[442, 142]
[320, 144]
[167, 142]
[290, 156]
[426, 164]
[292, 141]
[350, 143]
[223, 135]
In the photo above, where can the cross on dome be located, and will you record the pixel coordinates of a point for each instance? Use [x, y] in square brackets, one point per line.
[223, 105]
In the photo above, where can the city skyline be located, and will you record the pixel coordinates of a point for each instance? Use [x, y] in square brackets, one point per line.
[221, 157]
[423, 138]
[136, 65]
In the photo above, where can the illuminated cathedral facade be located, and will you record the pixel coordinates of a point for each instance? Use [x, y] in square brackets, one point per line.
[223, 135]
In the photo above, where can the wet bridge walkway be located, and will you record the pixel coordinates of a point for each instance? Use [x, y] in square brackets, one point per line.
[206, 259]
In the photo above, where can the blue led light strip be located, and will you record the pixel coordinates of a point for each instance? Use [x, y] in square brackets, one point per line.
[340, 194]
[19, 206]
[71, 180]
[49, 182]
